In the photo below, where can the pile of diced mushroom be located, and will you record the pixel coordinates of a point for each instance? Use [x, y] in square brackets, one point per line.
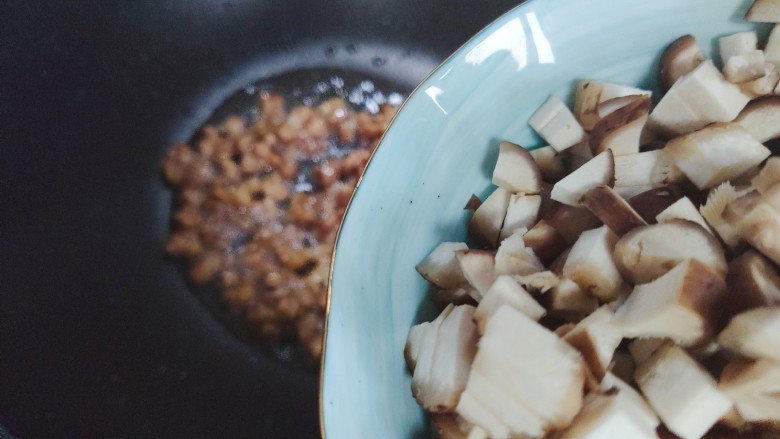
[621, 282]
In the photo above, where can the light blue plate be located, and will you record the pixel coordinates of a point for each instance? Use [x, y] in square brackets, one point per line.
[440, 149]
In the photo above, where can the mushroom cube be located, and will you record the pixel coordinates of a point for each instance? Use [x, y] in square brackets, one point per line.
[520, 213]
[754, 386]
[591, 93]
[508, 390]
[681, 392]
[679, 58]
[736, 44]
[486, 222]
[545, 241]
[753, 281]
[683, 209]
[757, 222]
[568, 299]
[754, 333]
[761, 118]
[598, 170]
[506, 291]
[442, 367]
[549, 162]
[606, 416]
[612, 210]
[516, 170]
[716, 153]
[513, 257]
[590, 264]
[648, 252]
[596, 338]
[745, 67]
[621, 130]
[636, 173]
[712, 211]
[764, 11]
[479, 269]
[696, 100]
[557, 125]
[441, 267]
[682, 305]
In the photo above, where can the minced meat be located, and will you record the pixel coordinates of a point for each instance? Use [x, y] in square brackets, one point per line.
[258, 204]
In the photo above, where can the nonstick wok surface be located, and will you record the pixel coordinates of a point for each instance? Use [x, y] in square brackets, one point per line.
[99, 335]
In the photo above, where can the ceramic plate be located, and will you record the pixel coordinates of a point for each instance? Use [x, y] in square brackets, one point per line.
[440, 149]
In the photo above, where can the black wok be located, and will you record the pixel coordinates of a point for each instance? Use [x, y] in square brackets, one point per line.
[99, 335]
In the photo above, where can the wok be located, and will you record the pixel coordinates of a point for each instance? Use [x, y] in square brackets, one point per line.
[99, 335]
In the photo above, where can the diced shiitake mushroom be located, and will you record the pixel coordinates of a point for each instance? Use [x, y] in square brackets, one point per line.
[643, 348]
[742, 61]
[590, 94]
[629, 397]
[650, 203]
[478, 267]
[716, 153]
[516, 170]
[683, 395]
[463, 295]
[597, 171]
[571, 221]
[754, 386]
[521, 213]
[753, 282]
[736, 44]
[606, 415]
[612, 209]
[570, 300]
[621, 130]
[764, 11]
[513, 257]
[765, 85]
[444, 358]
[441, 267]
[591, 266]
[557, 125]
[545, 241]
[683, 209]
[541, 281]
[631, 218]
[508, 392]
[757, 222]
[678, 59]
[646, 253]
[637, 173]
[681, 305]
[754, 333]
[550, 163]
[506, 291]
[596, 338]
[485, 224]
[696, 100]
[712, 211]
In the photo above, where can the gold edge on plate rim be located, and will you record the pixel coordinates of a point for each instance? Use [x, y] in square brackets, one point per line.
[321, 402]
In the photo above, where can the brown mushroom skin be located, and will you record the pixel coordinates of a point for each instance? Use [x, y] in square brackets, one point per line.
[637, 108]
[650, 203]
[612, 210]
[638, 264]
[545, 241]
[680, 57]
[753, 282]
